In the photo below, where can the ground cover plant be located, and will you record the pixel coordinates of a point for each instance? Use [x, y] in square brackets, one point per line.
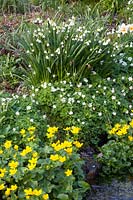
[117, 153]
[104, 103]
[23, 165]
[66, 83]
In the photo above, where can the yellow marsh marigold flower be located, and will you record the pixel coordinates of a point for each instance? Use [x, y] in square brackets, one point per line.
[22, 131]
[28, 149]
[45, 196]
[12, 171]
[37, 192]
[7, 144]
[14, 156]
[67, 129]
[54, 157]
[75, 130]
[62, 158]
[58, 147]
[50, 135]
[25, 151]
[33, 160]
[69, 150]
[35, 154]
[31, 166]
[28, 192]
[32, 163]
[55, 144]
[119, 133]
[123, 130]
[2, 172]
[131, 123]
[8, 192]
[1, 152]
[119, 130]
[126, 127]
[14, 187]
[31, 138]
[31, 129]
[2, 186]
[78, 144]
[13, 164]
[53, 129]
[113, 131]
[2, 175]
[67, 144]
[130, 138]
[68, 172]
[117, 126]
[16, 147]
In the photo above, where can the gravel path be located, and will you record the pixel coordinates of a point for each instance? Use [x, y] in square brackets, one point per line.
[117, 190]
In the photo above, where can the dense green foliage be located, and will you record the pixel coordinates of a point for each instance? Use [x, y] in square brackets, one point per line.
[93, 107]
[25, 162]
[118, 152]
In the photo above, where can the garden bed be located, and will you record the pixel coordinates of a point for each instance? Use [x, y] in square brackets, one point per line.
[66, 100]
